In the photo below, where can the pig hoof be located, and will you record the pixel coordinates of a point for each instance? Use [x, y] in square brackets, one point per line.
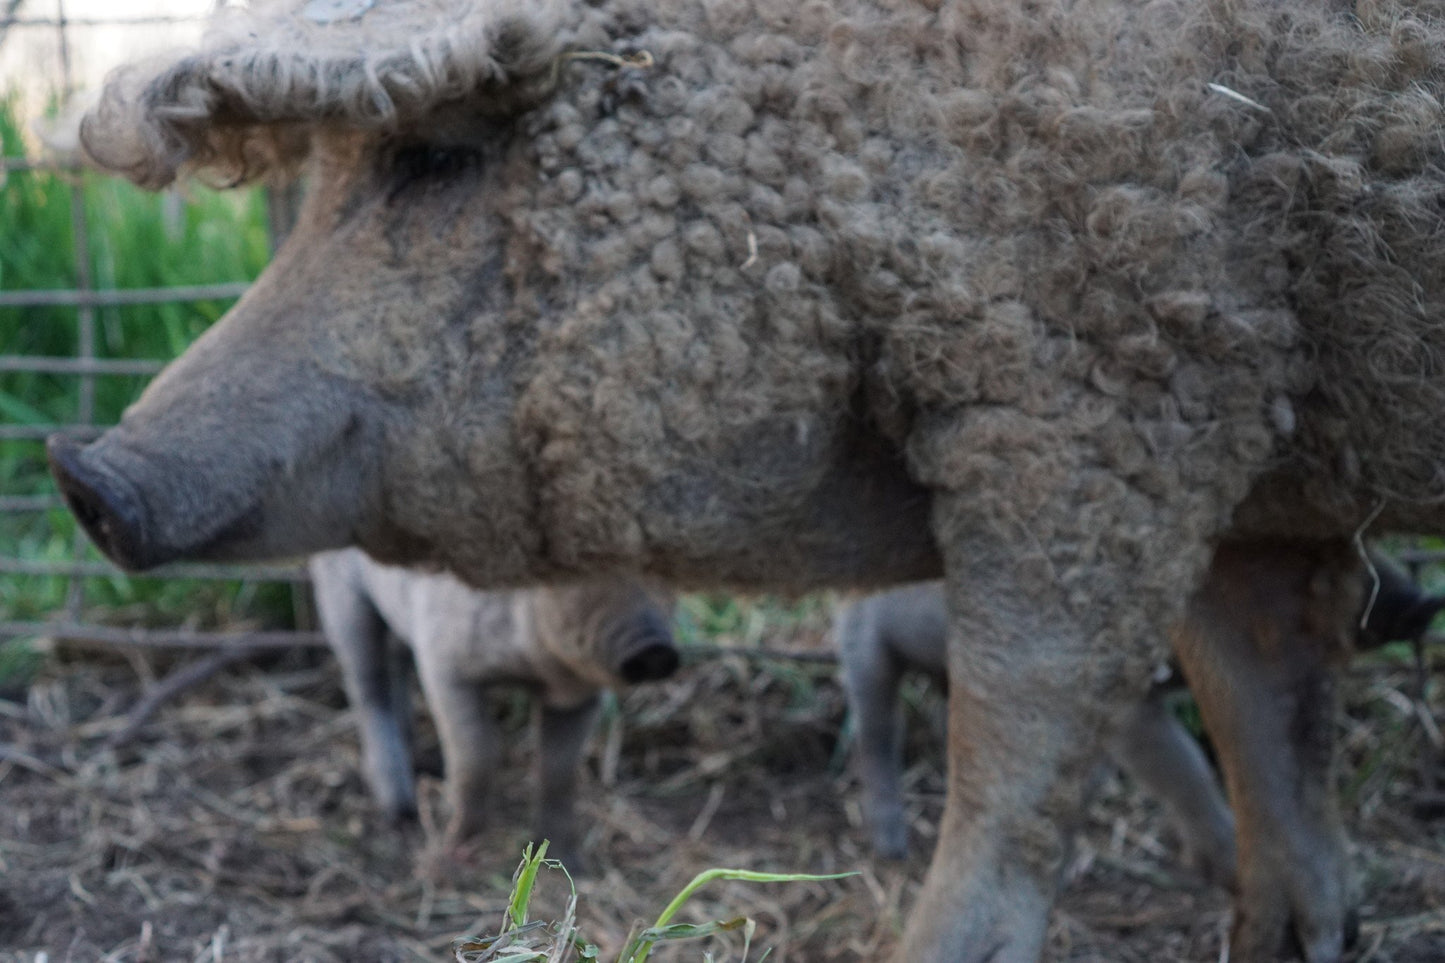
[1326, 944]
[1316, 933]
[1322, 949]
[650, 664]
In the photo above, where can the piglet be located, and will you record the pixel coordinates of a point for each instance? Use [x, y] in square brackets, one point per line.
[566, 643]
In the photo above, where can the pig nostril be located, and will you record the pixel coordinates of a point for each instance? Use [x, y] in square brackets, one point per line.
[85, 510]
[96, 522]
[101, 510]
[657, 661]
[87, 507]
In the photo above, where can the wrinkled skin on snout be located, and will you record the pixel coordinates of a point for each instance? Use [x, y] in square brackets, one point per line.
[565, 644]
[212, 461]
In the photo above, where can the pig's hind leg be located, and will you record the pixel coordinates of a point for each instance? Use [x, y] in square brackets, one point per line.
[373, 671]
[1258, 648]
[563, 737]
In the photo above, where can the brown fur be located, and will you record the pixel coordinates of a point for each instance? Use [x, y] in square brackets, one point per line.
[750, 315]
[1271, 622]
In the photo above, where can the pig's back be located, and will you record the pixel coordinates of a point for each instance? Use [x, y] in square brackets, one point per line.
[471, 635]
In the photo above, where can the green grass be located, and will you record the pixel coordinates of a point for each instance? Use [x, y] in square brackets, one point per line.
[136, 240]
[537, 941]
[19, 665]
[748, 621]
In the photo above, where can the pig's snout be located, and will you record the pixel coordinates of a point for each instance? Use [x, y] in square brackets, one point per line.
[108, 511]
[648, 652]
[658, 660]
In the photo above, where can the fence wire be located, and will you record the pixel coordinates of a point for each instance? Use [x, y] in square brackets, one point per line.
[84, 368]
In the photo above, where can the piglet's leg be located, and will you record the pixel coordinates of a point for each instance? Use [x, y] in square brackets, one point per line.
[470, 739]
[1257, 648]
[871, 675]
[564, 733]
[1161, 756]
[370, 671]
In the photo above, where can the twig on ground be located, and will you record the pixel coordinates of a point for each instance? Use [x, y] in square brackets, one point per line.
[173, 684]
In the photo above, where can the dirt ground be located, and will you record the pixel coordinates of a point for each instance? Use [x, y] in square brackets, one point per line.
[235, 826]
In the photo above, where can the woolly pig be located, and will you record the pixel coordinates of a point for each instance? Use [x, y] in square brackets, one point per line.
[1049, 299]
[885, 634]
[565, 643]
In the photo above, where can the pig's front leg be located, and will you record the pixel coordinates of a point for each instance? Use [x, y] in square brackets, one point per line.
[872, 675]
[563, 736]
[376, 687]
[1257, 649]
[1047, 651]
[1161, 756]
[471, 741]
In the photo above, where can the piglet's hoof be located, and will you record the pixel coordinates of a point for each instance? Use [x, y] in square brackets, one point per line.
[890, 838]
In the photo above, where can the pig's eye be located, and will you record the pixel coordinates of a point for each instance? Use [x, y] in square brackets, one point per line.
[426, 163]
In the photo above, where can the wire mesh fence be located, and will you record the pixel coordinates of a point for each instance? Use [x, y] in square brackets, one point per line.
[99, 354]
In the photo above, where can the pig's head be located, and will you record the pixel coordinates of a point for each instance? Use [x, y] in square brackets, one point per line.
[283, 430]
[209, 463]
[515, 333]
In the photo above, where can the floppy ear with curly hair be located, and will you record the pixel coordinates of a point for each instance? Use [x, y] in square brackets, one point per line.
[242, 105]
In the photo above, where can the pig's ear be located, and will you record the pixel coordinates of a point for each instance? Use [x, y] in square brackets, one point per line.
[241, 105]
[154, 120]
